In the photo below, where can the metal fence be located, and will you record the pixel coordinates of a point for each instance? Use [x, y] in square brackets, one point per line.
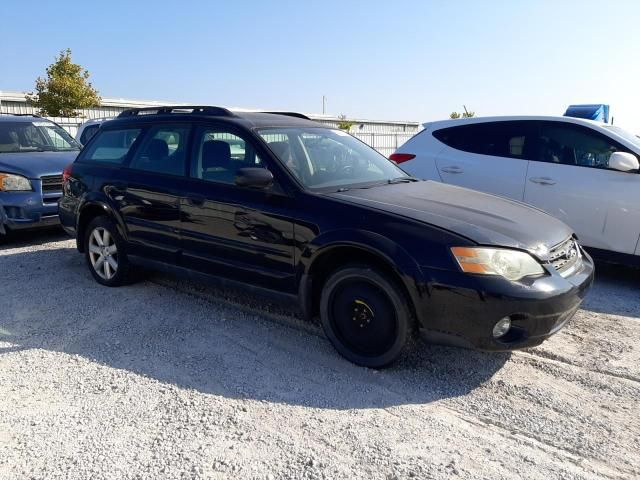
[385, 143]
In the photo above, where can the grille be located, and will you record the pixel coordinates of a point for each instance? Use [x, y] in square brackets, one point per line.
[51, 183]
[565, 256]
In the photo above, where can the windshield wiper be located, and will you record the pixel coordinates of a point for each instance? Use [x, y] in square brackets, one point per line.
[402, 180]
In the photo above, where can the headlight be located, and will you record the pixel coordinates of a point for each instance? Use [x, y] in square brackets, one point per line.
[511, 264]
[14, 183]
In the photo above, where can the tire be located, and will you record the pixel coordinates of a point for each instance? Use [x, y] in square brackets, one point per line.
[365, 316]
[104, 251]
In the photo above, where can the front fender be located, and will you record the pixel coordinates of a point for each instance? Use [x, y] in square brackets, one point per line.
[394, 255]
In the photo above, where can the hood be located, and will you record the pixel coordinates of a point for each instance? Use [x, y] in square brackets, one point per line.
[36, 164]
[481, 217]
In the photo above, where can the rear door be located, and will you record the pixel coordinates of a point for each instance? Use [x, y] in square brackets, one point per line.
[570, 179]
[236, 232]
[489, 156]
[148, 191]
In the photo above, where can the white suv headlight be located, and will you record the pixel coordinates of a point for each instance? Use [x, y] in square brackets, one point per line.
[510, 264]
[14, 183]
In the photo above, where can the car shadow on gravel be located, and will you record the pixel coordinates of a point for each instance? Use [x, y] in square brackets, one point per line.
[193, 338]
[25, 238]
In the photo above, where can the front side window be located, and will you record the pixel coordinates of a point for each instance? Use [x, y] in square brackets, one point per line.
[219, 154]
[570, 144]
[163, 150]
[512, 139]
[111, 146]
[323, 158]
[37, 136]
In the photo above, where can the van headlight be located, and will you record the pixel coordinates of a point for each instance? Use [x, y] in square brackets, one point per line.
[510, 264]
[14, 183]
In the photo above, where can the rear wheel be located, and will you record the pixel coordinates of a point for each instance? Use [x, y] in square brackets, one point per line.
[365, 316]
[105, 253]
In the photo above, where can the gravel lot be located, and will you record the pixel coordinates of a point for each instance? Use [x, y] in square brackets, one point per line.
[170, 379]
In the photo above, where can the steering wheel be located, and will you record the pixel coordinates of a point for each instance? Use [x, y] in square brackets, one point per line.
[347, 170]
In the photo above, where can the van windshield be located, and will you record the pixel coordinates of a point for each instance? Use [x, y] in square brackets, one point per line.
[323, 158]
[37, 136]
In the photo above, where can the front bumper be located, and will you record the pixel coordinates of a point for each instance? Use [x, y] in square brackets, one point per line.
[462, 309]
[23, 210]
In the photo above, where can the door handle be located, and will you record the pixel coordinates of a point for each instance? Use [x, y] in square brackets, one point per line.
[543, 180]
[452, 169]
[196, 200]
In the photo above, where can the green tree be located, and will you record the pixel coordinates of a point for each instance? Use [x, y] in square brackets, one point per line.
[465, 114]
[344, 124]
[65, 90]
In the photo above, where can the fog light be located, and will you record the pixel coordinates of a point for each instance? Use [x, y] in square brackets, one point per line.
[501, 327]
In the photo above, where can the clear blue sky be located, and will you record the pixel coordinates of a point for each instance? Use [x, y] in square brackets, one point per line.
[415, 60]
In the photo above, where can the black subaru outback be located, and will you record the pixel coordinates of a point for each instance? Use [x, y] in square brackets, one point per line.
[276, 202]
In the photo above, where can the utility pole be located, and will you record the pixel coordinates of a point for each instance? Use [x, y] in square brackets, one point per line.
[324, 104]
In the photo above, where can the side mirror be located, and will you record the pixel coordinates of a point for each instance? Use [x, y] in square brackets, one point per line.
[623, 161]
[254, 177]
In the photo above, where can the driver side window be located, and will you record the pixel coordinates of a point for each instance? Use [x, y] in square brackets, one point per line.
[571, 144]
[218, 154]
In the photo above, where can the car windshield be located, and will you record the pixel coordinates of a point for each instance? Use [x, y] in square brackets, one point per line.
[37, 136]
[323, 158]
[628, 136]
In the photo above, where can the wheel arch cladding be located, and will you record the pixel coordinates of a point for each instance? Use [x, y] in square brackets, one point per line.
[88, 212]
[364, 248]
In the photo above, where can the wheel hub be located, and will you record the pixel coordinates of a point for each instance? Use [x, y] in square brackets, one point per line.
[362, 313]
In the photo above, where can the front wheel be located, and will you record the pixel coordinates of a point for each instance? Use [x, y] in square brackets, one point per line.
[105, 253]
[365, 316]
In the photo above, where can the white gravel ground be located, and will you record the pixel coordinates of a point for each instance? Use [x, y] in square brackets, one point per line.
[169, 379]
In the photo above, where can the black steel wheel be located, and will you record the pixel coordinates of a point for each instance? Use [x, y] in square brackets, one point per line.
[365, 316]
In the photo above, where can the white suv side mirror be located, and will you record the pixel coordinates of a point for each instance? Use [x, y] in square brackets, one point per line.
[623, 161]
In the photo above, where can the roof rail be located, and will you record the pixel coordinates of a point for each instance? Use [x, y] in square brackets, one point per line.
[21, 114]
[189, 109]
[290, 114]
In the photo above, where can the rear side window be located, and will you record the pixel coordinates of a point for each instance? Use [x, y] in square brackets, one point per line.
[501, 139]
[111, 146]
[163, 150]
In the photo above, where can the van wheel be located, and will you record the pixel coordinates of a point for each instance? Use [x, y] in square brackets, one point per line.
[365, 316]
[105, 253]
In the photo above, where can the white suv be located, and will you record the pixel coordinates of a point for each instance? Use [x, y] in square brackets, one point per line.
[583, 172]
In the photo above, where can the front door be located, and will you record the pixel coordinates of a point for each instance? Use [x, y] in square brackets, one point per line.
[235, 232]
[570, 179]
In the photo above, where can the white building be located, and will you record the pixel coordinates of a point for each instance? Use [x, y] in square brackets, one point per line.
[383, 135]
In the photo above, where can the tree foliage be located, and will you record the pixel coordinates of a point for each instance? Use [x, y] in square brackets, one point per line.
[344, 124]
[65, 90]
[465, 114]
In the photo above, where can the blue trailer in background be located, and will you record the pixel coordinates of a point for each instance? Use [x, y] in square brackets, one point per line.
[599, 112]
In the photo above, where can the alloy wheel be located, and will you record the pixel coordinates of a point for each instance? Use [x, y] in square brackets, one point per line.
[103, 253]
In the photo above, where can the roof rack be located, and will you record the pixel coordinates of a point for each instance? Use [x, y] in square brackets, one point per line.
[188, 109]
[290, 114]
[21, 114]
